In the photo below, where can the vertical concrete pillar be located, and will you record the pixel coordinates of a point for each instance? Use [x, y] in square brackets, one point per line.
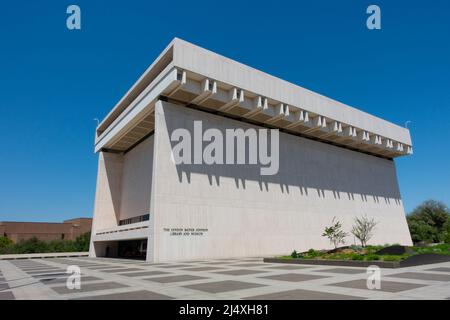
[107, 196]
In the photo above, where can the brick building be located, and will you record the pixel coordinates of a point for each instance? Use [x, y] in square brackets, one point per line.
[46, 231]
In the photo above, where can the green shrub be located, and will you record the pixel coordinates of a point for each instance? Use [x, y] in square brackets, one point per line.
[311, 254]
[393, 257]
[373, 249]
[33, 245]
[438, 249]
[372, 257]
[356, 256]
[356, 247]
[294, 254]
[338, 256]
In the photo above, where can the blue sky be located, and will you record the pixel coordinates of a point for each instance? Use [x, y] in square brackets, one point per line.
[54, 82]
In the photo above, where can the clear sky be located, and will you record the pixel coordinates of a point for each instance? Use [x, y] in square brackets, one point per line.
[54, 82]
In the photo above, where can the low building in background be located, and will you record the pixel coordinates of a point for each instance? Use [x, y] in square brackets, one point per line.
[45, 231]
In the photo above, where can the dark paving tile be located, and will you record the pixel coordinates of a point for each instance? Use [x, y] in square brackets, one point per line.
[177, 278]
[133, 295]
[202, 268]
[27, 264]
[40, 269]
[342, 270]
[300, 294]
[74, 261]
[143, 273]
[31, 266]
[115, 270]
[101, 266]
[87, 265]
[240, 272]
[90, 287]
[35, 271]
[53, 275]
[125, 270]
[4, 286]
[223, 286]
[287, 267]
[294, 277]
[46, 271]
[37, 268]
[7, 295]
[388, 286]
[421, 276]
[106, 267]
[441, 269]
[248, 265]
[64, 279]
[177, 265]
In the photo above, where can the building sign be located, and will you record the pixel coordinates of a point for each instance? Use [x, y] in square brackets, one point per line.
[184, 232]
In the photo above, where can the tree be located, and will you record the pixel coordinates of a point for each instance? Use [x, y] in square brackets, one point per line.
[363, 229]
[446, 233]
[427, 222]
[82, 242]
[5, 241]
[335, 233]
[421, 231]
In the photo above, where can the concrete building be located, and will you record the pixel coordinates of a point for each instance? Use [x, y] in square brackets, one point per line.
[45, 231]
[334, 160]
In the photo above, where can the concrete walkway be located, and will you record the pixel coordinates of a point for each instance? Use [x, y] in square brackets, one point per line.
[215, 279]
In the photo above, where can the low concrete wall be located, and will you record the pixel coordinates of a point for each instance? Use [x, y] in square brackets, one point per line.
[342, 263]
[43, 255]
[416, 260]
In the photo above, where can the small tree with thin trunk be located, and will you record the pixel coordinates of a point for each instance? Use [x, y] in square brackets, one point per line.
[335, 233]
[363, 229]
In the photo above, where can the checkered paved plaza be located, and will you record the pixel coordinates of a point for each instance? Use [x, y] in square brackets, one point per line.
[249, 278]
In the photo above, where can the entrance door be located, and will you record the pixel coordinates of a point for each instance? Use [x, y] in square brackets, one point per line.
[133, 249]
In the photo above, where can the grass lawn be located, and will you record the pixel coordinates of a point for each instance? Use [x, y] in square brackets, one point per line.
[369, 253]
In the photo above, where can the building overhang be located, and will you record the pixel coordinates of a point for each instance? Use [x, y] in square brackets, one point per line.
[138, 230]
[197, 77]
